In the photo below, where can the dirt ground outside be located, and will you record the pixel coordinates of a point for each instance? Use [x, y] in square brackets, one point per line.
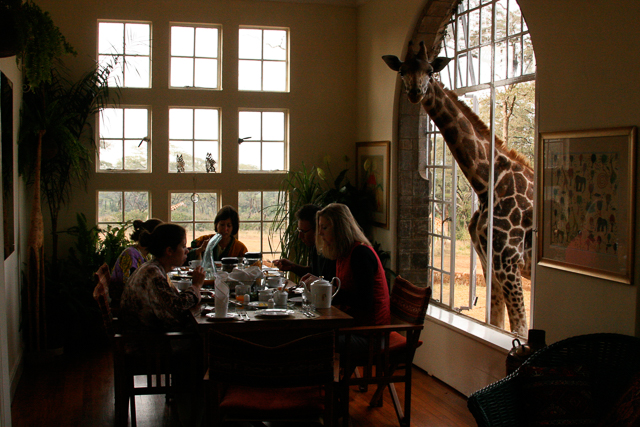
[462, 281]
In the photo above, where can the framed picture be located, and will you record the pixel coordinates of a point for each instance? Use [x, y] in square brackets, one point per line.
[372, 171]
[586, 201]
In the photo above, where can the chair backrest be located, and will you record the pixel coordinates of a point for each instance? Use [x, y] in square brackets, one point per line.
[409, 302]
[298, 362]
[102, 277]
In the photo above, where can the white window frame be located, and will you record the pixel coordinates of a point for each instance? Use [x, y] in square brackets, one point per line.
[145, 140]
[191, 225]
[105, 57]
[265, 225]
[262, 60]
[123, 219]
[194, 140]
[195, 57]
[252, 139]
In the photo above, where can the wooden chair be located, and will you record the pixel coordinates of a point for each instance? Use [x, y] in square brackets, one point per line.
[391, 349]
[291, 379]
[136, 355]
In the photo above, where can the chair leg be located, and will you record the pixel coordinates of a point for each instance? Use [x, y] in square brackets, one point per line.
[363, 387]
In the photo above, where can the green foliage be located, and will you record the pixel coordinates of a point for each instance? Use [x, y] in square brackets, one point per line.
[320, 187]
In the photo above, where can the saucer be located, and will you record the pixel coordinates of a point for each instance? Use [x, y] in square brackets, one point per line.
[230, 316]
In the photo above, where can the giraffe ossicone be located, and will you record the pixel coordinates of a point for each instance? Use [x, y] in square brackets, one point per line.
[469, 141]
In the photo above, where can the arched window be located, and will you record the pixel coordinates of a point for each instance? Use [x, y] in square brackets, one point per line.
[493, 72]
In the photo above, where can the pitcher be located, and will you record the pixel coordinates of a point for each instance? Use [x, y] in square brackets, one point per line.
[320, 292]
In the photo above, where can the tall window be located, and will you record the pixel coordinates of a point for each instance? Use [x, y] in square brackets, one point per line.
[264, 135]
[127, 47]
[196, 212]
[257, 211]
[117, 207]
[124, 139]
[194, 139]
[195, 54]
[263, 59]
[492, 54]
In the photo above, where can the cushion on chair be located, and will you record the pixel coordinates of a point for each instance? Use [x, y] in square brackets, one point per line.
[557, 396]
[294, 401]
[408, 301]
[398, 342]
[626, 412]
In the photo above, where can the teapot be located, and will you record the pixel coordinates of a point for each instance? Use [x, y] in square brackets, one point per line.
[320, 291]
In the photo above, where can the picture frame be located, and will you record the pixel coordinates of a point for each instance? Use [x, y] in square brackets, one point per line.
[372, 170]
[586, 202]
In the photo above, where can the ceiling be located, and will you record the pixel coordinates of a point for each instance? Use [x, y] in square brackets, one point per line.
[351, 3]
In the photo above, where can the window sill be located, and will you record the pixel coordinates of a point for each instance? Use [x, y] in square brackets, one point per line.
[463, 325]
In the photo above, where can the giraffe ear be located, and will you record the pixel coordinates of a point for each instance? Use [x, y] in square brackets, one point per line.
[392, 61]
[439, 63]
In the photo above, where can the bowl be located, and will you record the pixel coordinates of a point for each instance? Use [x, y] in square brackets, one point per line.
[182, 284]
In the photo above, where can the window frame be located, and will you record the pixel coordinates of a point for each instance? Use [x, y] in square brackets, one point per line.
[193, 222]
[265, 224]
[123, 220]
[218, 57]
[218, 164]
[286, 142]
[146, 140]
[287, 61]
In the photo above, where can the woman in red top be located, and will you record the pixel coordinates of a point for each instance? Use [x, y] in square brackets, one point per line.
[364, 293]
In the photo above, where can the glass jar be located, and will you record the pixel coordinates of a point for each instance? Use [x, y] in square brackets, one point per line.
[229, 263]
[253, 259]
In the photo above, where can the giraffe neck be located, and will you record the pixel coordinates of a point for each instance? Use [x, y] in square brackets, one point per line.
[468, 143]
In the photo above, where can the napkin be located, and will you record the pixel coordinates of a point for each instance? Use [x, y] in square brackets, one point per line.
[246, 275]
[221, 297]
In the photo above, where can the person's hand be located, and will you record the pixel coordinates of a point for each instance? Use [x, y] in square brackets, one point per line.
[202, 248]
[283, 264]
[198, 277]
[308, 279]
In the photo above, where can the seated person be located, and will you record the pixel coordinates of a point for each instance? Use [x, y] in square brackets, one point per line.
[227, 224]
[318, 265]
[364, 293]
[130, 259]
[149, 301]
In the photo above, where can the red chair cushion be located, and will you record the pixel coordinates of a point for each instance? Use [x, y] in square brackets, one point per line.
[295, 401]
[398, 342]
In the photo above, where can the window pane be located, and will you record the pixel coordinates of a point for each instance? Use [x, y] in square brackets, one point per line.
[474, 25]
[181, 72]
[501, 61]
[462, 70]
[137, 71]
[116, 76]
[250, 44]
[249, 124]
[462, 32]
[249, 156]
[111, 154]
[249, 234]
[514, 55]
[207, 42]
[206, 124]
[182, 41]
[135, 157]
[136, 205]
[111, 38]
[109, 206]
[275, 44]
[487, 19]
[137, 39]
[180, 123]
[275, 76]
[501, 19]
[202, 148]
[183, 148]
[249, 75]
[207, 208]
[515, 18]
[273, 126]
[270, 204]
[111, 123]
[181, 207]
[249, 205]
[136, 123]
[273, 156]
[206, 73]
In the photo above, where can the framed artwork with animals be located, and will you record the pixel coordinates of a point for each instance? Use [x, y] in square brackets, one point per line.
[587, 202]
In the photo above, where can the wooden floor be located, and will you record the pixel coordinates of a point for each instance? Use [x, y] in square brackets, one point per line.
[76, 389]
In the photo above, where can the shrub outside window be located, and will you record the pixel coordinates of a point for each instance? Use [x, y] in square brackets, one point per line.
[263, 59]
[193, 135]
[127, 47]
[196, 212]
[118, 207]
[195, 57]
[124, 139]
[264, 146]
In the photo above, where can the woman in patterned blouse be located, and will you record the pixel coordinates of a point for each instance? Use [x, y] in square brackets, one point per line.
[130, 259]
[149, 301]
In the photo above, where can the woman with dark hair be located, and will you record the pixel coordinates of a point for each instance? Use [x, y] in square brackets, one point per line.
[130, 259]
[149, 301]
[364, 293]
[227, 224]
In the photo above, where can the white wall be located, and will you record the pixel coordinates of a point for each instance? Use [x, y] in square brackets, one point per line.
[587, 78]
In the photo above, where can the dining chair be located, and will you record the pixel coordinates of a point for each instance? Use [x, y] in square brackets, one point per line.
[391, 349]
[260, 379]
[142, 363]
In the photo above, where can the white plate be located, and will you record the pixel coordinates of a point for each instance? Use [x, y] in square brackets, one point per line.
[258, 304]
[296, 300]
[230, 316]
[275, 312]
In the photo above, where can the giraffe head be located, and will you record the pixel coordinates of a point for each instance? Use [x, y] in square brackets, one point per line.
[416, 70]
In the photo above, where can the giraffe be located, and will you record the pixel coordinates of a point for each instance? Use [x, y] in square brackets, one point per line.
[469, 140]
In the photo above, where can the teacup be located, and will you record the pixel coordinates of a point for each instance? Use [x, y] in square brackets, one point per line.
[265, 294]
[195, 263]
[274, 281]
